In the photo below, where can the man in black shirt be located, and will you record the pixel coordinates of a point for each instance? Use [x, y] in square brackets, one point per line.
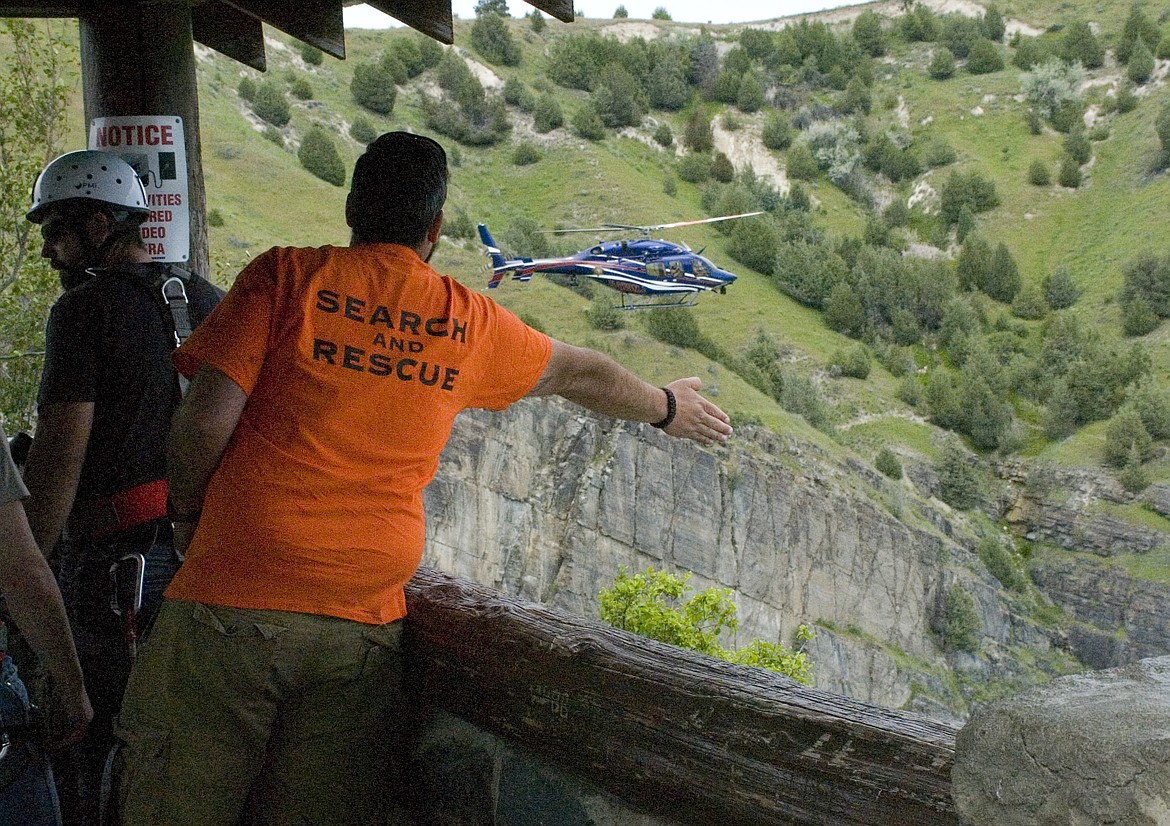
[97, 467]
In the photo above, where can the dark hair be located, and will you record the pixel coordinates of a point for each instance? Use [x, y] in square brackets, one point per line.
[399, 186]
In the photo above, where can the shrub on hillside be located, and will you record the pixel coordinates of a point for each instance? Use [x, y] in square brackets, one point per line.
[1029, 52]
[887, 464]
[603, 315]
[721, 168]
[697, 134]
[754, 242]
[868, 33]
[776, 133]
[750, 95]
[959, 33]
[1080, 44]
[1052, 85]
[1038, 173]
[985, 58]
[362, 131]
[1029, 303]
[998, 559]
[1138, 26]
[844, 311]
[492, 39]
[617, 97]
[270, 104]
[1141, 63]
[853, 362]
[972, 190]
[958, 481]
[247, 89]
[525, 153]
[1060, 291]
[919, 24]
[1070, 172]
[1127, 101]
[301, 89]
[319, 156]
[1126, 434]
[537, 19]
[666, 86]
[1137, 316]
[695, 167]
[663, 136]
[992, 24]
[1077, 145]
[961, 622]
[547, 115]
[311, 54]
[942, 65]
[373, 88]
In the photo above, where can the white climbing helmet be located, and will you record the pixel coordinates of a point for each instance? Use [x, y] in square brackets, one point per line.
[88, 175]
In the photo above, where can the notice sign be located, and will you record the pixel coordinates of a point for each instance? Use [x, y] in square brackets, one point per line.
[154, 146]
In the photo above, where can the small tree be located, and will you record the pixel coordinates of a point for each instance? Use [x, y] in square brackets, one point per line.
[524, 154]
[1060, 291]
[1078, 146]
[853, 362]
[311, 54]
[247, 88]
[1038, 174]
[663, 136]
[867, 31]
[362, 131]
[301, 89]
[1053, 84]
[844, 311]
[887, 464]
[697, 135]
[984, 58]
[777, 131]
[1126, 434]
[993, 24]
[537, 21]
[319, 156]
[547, 115]
[961, 623]
[1141, 63]
[1137, 26]
[587, 123]
[957, 482]
[660, 13]
[620, 13]
[1080, 44]
[942, 65]
[492, 39]
[721, 168]
[750, 97]
[270, 104]
[1070, 172]
[372, 87]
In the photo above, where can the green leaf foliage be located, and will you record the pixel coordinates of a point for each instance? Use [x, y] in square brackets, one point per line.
[656, 604]
[319, 155]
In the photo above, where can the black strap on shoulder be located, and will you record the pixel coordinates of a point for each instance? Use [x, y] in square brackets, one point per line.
[171, 284]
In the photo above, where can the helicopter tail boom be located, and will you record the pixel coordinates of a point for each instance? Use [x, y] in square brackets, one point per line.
[498, 260]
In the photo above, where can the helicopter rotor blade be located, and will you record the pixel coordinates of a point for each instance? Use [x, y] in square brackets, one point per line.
[608, 228]
[700, 221]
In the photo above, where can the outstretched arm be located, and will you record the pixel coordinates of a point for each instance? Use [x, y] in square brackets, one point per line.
[596, 381]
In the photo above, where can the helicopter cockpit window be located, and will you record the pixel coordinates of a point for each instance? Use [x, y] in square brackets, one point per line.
[699, 267]
[595, 251]
[676, 269]
[655, 269]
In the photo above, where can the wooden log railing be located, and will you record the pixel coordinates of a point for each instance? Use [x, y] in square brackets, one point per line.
[670, 731]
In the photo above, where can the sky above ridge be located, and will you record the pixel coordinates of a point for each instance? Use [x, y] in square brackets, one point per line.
[684, 11]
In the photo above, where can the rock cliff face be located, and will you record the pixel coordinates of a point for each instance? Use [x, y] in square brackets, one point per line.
[547, 503]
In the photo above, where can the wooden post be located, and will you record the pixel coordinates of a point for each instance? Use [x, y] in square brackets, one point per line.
[138, 58]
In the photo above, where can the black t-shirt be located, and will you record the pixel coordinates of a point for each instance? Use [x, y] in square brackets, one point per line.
[109, 341]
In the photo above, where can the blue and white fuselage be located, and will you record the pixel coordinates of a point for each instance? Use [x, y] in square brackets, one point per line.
[643, 267]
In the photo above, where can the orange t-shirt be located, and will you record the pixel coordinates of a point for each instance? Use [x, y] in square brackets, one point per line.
[355, 361]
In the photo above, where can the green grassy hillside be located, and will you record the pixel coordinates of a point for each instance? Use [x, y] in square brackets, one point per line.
[261, 196]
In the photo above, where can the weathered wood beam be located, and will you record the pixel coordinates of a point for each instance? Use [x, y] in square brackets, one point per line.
[319, 23]
[673, 732]
[231, 32]
[560, 9]
[40, 8]
[431, 17]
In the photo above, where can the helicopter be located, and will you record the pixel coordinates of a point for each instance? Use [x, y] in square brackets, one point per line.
[646, 273]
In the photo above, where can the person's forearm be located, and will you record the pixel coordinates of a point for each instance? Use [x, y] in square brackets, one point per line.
[202, 427]
[34, 600]
[608, 388]
[53, 470]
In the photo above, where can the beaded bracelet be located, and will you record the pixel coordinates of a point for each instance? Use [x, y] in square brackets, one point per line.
[671, 409]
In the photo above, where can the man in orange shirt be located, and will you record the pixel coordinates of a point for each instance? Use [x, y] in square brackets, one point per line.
[325, 386]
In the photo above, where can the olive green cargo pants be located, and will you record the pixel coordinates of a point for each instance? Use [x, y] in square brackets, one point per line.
[279, 717]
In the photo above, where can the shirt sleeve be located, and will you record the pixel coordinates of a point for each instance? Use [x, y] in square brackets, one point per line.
[234, 338]
[514, 360]
[12, 488]
[73, 362]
